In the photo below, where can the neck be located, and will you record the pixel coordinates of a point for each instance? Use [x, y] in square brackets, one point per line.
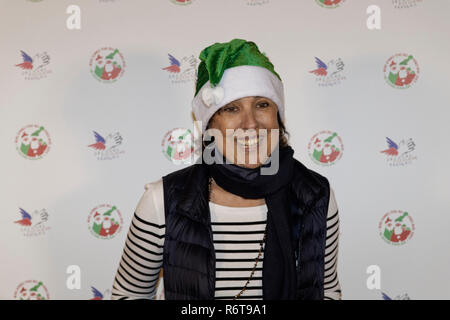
[222, 197]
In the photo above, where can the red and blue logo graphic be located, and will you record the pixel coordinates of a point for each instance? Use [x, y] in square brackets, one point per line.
[329, 74]
[399, 297]
[182, 70]
[99, 295]
[33, 224]
[34, 68]
[400, 154]
[405, 4]
[107, 148]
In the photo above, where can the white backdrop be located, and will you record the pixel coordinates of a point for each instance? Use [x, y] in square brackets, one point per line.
[136, 111]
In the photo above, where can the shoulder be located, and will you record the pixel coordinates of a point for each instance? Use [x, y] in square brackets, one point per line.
[151, 204]
[311, 177]
[187, 180]
[310, 184]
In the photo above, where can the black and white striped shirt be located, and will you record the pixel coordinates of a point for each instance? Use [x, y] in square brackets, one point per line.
[237, 234]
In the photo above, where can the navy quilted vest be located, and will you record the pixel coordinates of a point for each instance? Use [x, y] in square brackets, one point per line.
[189, 260]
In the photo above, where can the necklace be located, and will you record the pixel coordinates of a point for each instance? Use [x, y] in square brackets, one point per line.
[257, 258]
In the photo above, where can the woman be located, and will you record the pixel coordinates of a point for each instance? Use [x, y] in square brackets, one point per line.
[249, 221]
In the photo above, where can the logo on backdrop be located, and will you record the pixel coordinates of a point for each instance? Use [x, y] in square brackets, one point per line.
[97, 295]
[401, 71]
[33, 223]
[107, 65]
[178, 146]
[400, 154]
[31, 290]
[330, 3]
[107, 148]
[396, 227]
[329, 74]
[325, 148]
[182, 2]
[398, 297]
[36, 67]
[33, 142]
[405, 4]
[181, 71]
[105, 221]
[257, 2]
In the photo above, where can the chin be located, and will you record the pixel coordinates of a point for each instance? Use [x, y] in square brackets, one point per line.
[250, 166]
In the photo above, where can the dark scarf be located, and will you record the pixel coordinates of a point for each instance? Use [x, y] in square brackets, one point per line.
[279, 271]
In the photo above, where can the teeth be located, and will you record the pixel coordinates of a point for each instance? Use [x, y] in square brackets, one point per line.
[249, 142]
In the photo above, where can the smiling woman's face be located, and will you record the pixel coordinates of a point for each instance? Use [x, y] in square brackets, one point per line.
[250, 146]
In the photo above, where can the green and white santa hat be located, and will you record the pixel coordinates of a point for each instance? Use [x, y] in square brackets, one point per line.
[230, 71]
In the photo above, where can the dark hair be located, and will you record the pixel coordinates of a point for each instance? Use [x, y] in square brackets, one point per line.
[283, 138]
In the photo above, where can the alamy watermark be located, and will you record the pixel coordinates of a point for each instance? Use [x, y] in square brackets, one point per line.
[239, 146]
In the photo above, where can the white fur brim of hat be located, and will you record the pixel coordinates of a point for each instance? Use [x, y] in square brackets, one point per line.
[237, 82]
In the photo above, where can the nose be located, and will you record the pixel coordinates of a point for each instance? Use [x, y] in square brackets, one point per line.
[249, 120]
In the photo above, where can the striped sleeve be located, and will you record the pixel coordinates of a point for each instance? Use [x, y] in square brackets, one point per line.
[140, 265]
[332, 289]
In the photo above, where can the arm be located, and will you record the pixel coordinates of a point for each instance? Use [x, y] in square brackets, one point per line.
[141, 261]
[332, 289]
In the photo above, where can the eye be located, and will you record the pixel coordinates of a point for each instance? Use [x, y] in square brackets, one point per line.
[263, 104]
[230, 109]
